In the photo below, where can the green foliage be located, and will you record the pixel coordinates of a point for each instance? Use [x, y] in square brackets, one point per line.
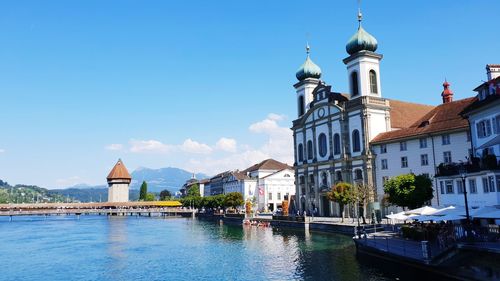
[409, 190]
[233, 200]
[150, 197]
[165, 195]
[343, 193]
[4, 196]
[194, 190]
[144, 191]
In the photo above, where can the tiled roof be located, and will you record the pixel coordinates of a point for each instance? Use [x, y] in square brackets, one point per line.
[444, 117]
[119, 172]
[240, 175]
[404, 114]
[268, 164]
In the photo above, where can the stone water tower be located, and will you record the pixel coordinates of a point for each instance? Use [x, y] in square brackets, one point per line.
[118, 181]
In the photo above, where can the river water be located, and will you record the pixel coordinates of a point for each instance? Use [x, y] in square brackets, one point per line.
[131, 248]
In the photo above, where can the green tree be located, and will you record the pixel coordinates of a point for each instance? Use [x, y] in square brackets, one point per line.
[165, 195]
[4, 196]
[343, 193]
[143, 192]
[233, 200]
[194, 190]
[409, 190]
[150, 197]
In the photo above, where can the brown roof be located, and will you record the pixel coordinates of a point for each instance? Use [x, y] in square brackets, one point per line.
[404, 114]
[240, 175]
[444, 117]
[119, 172]
[268, 164]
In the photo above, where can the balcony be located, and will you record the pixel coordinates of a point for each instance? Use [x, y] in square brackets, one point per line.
[476, 165]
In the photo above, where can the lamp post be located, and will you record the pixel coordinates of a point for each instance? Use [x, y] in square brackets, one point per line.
[463, 175]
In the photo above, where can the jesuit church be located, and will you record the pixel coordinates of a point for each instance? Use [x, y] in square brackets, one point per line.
[332, 132]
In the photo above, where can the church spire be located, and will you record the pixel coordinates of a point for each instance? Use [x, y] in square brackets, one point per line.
[447, 93]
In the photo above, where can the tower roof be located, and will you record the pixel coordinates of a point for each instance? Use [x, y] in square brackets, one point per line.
[361, 40]
[119, 172]
[308, 69]
[447, 93]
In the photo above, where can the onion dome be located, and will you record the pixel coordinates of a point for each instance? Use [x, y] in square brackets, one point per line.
[361, 40]
[309, 69]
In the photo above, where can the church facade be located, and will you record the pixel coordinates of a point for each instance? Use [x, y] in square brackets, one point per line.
[333, 131]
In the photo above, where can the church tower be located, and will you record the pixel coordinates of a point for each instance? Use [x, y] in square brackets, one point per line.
[118, 181]
[308, 75]
[363, 63]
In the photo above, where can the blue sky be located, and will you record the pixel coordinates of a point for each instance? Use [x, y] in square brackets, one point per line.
[203, 85]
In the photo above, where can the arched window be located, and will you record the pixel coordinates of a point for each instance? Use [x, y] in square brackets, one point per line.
[301, 106]
[373, 82]
[324, 179]
[356, 146]
[301, 152]
[354, 83]
[358, 175]
[322, 145]
[336, 144]
[338, 175]
[309, 150]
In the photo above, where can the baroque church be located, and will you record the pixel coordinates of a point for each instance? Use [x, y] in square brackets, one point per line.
[332, 132]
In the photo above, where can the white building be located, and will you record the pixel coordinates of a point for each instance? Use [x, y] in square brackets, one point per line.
[193, 181]
[333, 131]
[118, 181]
[274, 181]
[237, 181]
[437, 138]
[482, 171]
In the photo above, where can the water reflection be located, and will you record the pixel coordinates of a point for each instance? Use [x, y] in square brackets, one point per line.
[116, 247]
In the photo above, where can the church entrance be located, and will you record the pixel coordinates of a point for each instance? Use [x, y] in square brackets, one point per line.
[325, 204]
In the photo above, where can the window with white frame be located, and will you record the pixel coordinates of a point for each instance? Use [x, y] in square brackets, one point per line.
[447, 157]
[483, 128]
[402, 146]
[278, 196]
[485, 185]
[384, 164]
[383, 148]
[423, 143]
[472, 186]
[441, 185]
[404, 162]
[496, 124]
[498, 183]
[445, 139]
[449, 187]
[424, 160]
[491, 183]
[270, 196]
[460, 187]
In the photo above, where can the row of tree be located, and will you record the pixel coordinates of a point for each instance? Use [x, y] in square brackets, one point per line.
[222, 201]
[144, 195]
[407, 191]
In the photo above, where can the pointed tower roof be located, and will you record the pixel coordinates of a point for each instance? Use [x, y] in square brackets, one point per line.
[447, 93]
[119, 172]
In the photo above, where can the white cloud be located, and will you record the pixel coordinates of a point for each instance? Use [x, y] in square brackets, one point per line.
[138, 146]
[114, 146]
[226, 144]
[192, 146]
[2, 150]
[268, 125]
[67, 182]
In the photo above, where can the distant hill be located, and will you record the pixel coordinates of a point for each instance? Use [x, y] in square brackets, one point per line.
[21, 193]
[157, 179]
[164, 178]
[90, 194]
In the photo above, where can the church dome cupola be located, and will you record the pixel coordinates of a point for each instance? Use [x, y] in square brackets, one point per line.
[308, 69]
[361, 40]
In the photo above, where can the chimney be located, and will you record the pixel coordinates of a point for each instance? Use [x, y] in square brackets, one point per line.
[493, 71]
[447, 94]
